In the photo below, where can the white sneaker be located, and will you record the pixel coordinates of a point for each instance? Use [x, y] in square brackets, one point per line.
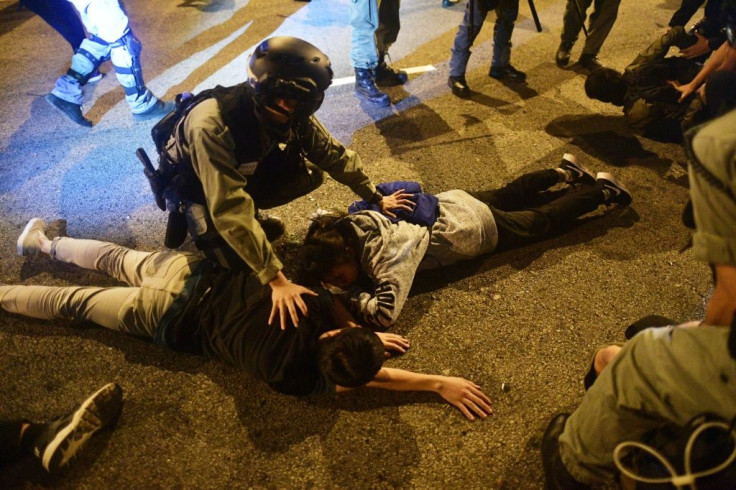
[29, 242]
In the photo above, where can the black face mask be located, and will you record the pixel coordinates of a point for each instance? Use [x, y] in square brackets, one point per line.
[279, 132]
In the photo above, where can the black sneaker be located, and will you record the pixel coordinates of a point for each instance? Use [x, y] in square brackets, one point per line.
[157, 110]
[615, 191]
[562, 57]
[590, 62]
[272, 226]
[62, 438]
[69, 109]
[507, 72]
[459, 86]
[388, 76]
[580, 174]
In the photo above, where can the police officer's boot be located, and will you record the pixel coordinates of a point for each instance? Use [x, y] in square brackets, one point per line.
[365, 88]
[387, 76]
[556, 475]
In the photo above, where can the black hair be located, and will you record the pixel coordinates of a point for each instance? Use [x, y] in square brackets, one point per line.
[606, 85]
[352, 357]
[326, 245]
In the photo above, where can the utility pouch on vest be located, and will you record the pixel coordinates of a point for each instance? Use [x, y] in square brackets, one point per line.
[162, 130]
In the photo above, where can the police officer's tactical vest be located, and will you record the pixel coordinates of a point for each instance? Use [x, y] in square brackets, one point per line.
[263, 165]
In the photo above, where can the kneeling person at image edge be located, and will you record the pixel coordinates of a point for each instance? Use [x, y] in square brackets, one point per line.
[193, 305]
[256, 146]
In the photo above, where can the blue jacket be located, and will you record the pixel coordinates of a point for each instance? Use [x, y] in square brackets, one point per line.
[426, 205]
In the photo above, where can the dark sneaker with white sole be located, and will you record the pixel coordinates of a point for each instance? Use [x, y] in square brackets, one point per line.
[29, 242]
[615, 191]
[580, 174]
[64, 437]
[69, 109]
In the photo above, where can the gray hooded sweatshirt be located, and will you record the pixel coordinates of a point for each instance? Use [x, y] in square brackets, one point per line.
[391, 253]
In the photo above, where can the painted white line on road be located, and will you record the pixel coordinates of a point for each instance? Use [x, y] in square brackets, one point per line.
[413, 69]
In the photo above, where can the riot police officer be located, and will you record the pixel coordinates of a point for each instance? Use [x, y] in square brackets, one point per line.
[255, 146]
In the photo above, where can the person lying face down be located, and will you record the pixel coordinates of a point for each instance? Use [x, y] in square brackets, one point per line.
[370, 259]
[189, 304]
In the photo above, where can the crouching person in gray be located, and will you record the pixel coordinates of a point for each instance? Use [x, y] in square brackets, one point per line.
[189, 304]
[664, 375]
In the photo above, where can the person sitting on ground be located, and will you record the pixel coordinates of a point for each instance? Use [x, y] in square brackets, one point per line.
[664, 375]
[371, 260]
[190, 304]
[56, 443]
[645, 92]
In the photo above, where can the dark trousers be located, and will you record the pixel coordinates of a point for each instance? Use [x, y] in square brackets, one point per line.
[524, 212]
[10, 448]
[60, 15]
[506, 13]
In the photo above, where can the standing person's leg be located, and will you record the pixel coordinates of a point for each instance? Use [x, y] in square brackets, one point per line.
[386, 34]
[506, 14]
[601, 21]
[60, 15]
[364, 52]
[364, 22]
[466, 34]
[571, 26]
[67, 93]
[107, 20]
[389, 25]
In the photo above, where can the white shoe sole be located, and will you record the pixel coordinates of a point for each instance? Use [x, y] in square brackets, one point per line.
[87, 419]
[32, 226]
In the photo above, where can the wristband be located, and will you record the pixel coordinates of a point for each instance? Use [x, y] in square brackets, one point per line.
[376, 198]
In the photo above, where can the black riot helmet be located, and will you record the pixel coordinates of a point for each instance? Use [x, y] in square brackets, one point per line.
[286, 67]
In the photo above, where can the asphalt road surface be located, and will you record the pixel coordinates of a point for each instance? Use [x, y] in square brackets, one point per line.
[529, 318]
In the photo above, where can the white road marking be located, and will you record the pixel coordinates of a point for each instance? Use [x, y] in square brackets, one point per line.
[414, 69]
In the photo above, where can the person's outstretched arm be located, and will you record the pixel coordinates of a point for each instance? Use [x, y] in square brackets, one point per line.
[465, 395]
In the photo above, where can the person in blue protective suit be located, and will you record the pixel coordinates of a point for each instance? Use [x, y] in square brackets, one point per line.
[109, 35]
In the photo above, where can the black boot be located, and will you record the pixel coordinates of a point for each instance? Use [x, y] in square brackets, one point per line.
[556, 476]
[365, 88]
[387, 76]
